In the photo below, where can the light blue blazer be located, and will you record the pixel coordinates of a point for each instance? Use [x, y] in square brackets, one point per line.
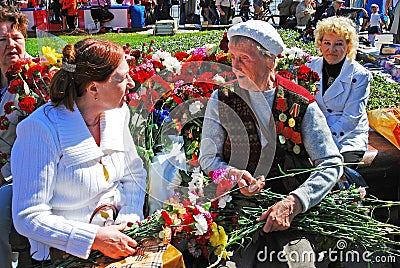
[344, 104]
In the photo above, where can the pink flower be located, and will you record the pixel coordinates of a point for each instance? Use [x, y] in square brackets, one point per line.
[218, 175]
[363, 192]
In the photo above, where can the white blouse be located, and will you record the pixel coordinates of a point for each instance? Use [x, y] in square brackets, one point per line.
[59, 178]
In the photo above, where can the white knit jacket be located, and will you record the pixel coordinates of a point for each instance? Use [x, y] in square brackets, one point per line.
[59, 179]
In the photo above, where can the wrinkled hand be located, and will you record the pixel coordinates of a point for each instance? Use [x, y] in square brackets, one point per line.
[280, 215]
[244, 178]
[112, 243]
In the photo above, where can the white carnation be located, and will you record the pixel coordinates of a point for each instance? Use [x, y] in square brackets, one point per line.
[161, 56]
[195, 107]
[201, 224]
[223, 200]
[192, 198]
[218, 80]
[210, 49]
[173, 65]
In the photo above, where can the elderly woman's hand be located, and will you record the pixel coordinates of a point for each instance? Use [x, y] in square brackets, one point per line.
[113, 243]
[280, 215]
[244, 178]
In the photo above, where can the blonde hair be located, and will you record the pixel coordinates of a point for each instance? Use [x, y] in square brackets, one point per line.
[341, 26]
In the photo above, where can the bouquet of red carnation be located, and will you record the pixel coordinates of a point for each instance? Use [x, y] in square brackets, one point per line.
[291, 65]
[29, 82]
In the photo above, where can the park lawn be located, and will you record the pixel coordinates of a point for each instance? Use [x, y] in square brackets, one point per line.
[384, 94]
[177, 42]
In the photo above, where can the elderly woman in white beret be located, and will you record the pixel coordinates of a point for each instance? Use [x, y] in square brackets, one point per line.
[262, 122]
[345, 84]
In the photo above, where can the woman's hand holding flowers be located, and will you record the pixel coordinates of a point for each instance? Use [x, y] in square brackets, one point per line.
[279, 216]
[113, 243]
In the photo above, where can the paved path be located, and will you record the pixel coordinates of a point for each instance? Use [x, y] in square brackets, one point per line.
[382, 38]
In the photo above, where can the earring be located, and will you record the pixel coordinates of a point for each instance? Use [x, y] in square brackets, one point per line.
[95, 98]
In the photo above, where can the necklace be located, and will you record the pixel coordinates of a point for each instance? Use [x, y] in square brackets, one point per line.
[94, 124]
[330, 80]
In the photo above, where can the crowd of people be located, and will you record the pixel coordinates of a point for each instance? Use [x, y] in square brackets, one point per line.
[292, 13]
[86, 161]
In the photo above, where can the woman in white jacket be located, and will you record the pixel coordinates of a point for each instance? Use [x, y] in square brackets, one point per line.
[344, 86]
[74, 163]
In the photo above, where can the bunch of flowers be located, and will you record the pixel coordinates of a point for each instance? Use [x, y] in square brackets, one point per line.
[187, 217]
[215, 220]
[170, 96]
[291, 64]
[29, 81]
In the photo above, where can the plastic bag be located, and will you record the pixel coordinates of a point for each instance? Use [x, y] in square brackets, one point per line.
[386, 122]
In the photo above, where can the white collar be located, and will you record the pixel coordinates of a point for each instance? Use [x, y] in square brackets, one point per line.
[77, 143]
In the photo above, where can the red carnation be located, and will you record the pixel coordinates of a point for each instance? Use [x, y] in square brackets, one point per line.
[133, 99]
[223, 186]
[16, 86]
[27, 104]
[223, 44]
[3, 159]
[9, 107]
[166, 217]
[4, 122]
[286, 74]
[180, 56]
[304, 73]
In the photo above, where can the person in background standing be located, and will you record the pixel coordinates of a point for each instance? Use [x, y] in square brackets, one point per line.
[182, 12]
[137, 14]
[284, 11]
[244, 9]
[205, 10]
[258, 7]
[375, 24]
[56, 7]
[69, 11]
[224, 7]
[395, 29]
[213, 12]
[389, 8]
[304, 12]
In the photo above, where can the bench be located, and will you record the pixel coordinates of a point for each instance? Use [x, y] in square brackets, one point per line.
[381, 170]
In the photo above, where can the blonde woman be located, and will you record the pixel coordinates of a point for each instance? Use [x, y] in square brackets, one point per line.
[344, 86]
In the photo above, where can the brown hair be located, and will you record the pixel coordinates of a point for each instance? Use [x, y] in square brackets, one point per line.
[88, 60]
[19, 21]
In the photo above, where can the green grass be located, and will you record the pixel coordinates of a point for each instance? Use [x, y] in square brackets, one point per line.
[383, 93]
[178, 42]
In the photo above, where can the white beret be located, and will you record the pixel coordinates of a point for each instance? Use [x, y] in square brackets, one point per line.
[260, 31]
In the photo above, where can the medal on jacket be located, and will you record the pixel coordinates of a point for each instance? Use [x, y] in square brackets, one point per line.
[282, 117]
[296, 149]
[282, 106]
[295, 137]
[282, 139]
[294, 112]
[291, 122]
